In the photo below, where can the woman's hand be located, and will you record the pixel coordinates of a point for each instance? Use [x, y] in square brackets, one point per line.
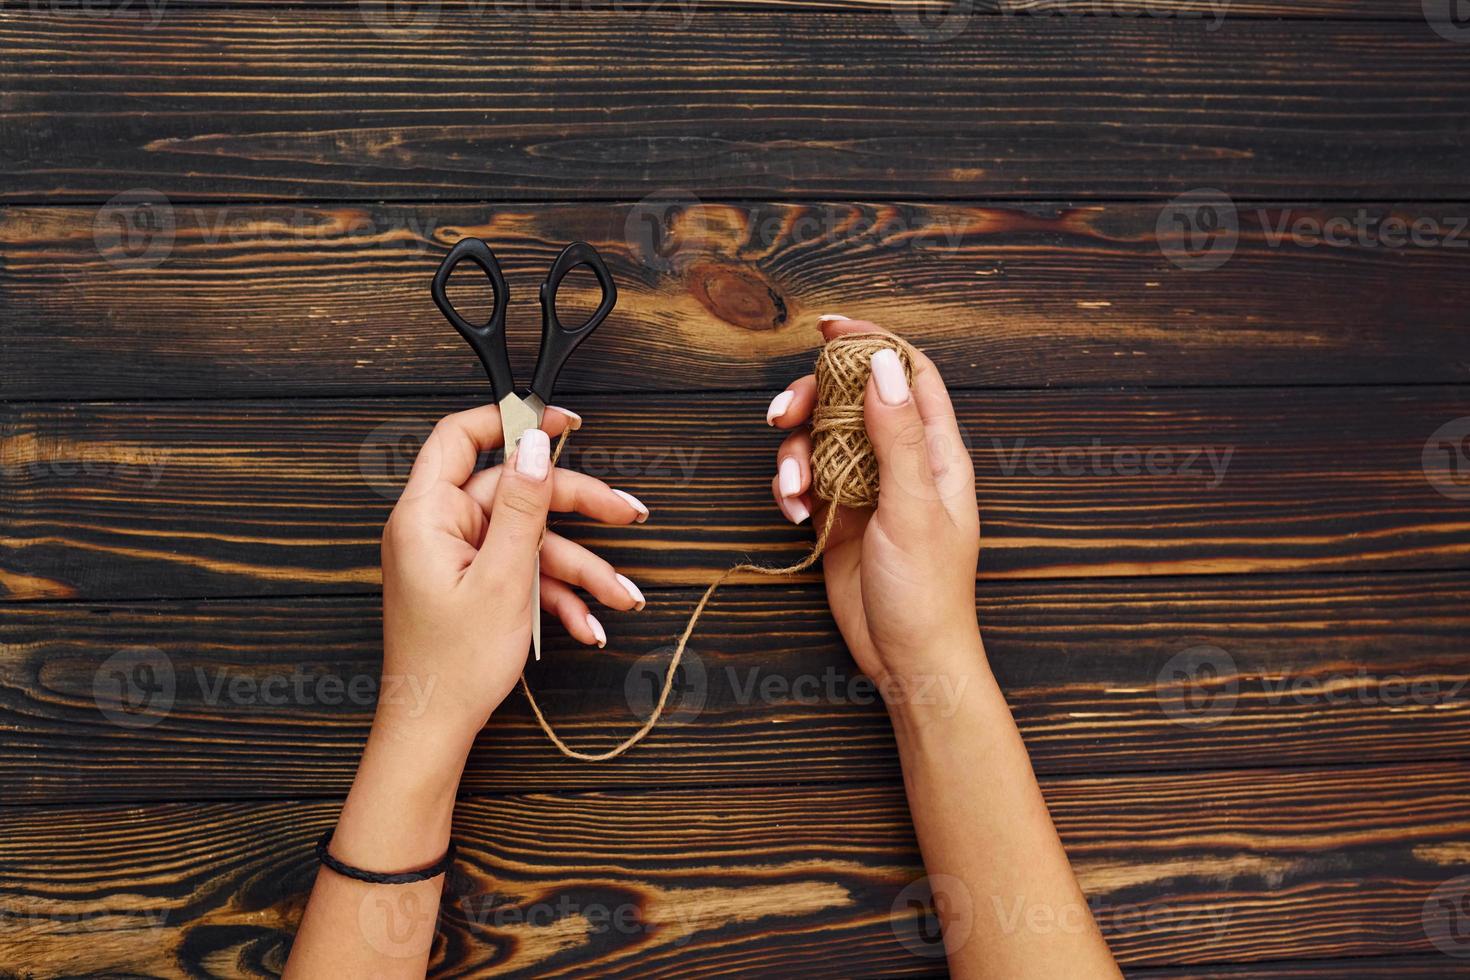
[901, 582]
[459, 554]
[900, 578]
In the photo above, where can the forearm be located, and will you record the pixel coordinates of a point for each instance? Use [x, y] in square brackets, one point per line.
[396, 818]
[981, 819]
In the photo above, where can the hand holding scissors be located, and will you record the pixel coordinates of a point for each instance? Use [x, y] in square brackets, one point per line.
[519, 413]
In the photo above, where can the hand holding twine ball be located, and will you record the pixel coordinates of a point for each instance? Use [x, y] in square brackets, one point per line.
[844, 473]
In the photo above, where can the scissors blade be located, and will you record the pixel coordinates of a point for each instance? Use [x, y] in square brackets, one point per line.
[516, 416]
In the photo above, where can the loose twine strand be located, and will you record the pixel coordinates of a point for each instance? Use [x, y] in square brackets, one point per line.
[844, 473]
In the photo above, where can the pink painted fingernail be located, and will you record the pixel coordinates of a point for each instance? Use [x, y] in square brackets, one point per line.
[832, 316]
[597, 630]
[635, 503]
[633, 592]
[779, 405]
[893, 387]
[533, 454]
[574, 420]
[793, 509]
[790, 473]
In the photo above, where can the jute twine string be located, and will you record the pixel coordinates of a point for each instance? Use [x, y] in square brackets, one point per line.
[844, 473]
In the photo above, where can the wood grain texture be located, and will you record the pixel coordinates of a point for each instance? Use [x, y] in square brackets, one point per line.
[223, 103]
[1180, 868]
[280, 300]
[923, 11]
[1428, 967]
[261, 699]
[268, 498]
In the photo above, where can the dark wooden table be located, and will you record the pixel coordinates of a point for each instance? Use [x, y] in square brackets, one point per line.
[1197, 273]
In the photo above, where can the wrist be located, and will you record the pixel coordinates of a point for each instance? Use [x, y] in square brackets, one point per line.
[399, 810]
[423, 753]
[938, 683]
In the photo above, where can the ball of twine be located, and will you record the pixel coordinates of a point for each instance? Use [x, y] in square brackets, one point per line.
[844, 472]
[844, 469]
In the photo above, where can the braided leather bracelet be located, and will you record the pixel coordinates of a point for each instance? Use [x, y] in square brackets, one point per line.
[377, 878]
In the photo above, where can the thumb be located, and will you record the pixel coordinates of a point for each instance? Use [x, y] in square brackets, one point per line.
[518, 512]
[906, 490]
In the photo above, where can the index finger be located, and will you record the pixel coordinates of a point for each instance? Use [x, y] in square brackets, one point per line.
[452, 449]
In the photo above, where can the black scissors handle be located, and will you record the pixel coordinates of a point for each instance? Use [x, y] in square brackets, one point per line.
[558, 340]
[488, 339]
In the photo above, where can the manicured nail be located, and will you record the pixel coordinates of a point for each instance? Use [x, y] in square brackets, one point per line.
[779, 405]
[635, 503]
[633, 592]
[790, 474]
[597, 630]
[893, 387]
[793, 509]
[575, 419]
[832, 316]
[533, 454]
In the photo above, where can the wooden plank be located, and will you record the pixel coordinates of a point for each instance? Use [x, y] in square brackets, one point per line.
[171, 499]
[597, 106]
[1427, 967]
[1225, 866]
[412, 17]
[253, 699]
[282, 300]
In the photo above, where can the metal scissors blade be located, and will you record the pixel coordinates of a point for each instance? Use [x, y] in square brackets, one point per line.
[516, 416]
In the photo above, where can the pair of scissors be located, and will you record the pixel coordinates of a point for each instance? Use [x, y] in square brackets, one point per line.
[521, 412]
